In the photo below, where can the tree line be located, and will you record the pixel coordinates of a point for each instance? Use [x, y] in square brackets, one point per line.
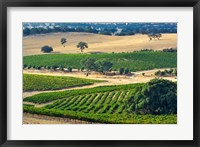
[116, 29]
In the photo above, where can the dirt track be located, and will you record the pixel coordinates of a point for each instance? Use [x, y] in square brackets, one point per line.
[110, 80]
[43, 119]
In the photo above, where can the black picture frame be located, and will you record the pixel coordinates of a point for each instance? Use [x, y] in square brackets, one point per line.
[4, 4]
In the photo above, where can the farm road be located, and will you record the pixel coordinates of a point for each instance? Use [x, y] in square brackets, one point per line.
[110, 80]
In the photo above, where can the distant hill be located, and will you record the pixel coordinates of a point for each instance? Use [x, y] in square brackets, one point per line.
[114, 29]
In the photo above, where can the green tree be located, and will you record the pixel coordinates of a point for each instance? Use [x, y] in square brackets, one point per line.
[82, 68]
[82, 46]
[89, 64]
[24, 66]
[63, 41]
[126, 71]
[69, 69]
[121, 71]
[103, 65]
[54, 67]
[158, 96]
[46, 49]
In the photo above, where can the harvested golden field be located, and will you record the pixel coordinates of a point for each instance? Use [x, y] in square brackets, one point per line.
[97, 43]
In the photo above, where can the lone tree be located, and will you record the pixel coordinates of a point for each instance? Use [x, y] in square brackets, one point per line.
[103, 65]
[63, 41]
[82, 46]
[46, 49]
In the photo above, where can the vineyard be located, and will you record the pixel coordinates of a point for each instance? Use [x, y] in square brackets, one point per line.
[105, 118]
[135, 61]
[30, 82]
[107, 102]
[50, 96]
[101, 104]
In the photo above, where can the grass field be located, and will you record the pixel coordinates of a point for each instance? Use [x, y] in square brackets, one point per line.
[97, 43]
[135, 61]
[42, 82]
[101, 104]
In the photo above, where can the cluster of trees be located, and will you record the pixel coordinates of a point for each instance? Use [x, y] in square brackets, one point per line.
[124, 71]
[90, 64]
[117, 29]
[158, 96]
[102, 66]
[164, 50]
[53, 67]
[146, 50]
[166, 72]
[170, 50]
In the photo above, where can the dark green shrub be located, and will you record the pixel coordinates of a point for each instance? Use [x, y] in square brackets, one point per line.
[38, 67]
[24, 66]
[170, 50]
[69, 69]
[170, 71]
[48, 67]
[29, 67]
[162, 73]
[126, 71]
[121, 71]
[54, 67]
[46, 49]
[157, 73]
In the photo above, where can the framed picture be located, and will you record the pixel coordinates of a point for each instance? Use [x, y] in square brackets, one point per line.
[106, 73]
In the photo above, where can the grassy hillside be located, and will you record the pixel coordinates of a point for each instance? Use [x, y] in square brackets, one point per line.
[97, 43]
[42, 82]
[135, 61]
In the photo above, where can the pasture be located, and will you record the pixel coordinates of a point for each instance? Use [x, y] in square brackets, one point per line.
[96, 42]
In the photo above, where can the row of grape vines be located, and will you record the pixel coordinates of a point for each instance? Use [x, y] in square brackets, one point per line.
[107, 102]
